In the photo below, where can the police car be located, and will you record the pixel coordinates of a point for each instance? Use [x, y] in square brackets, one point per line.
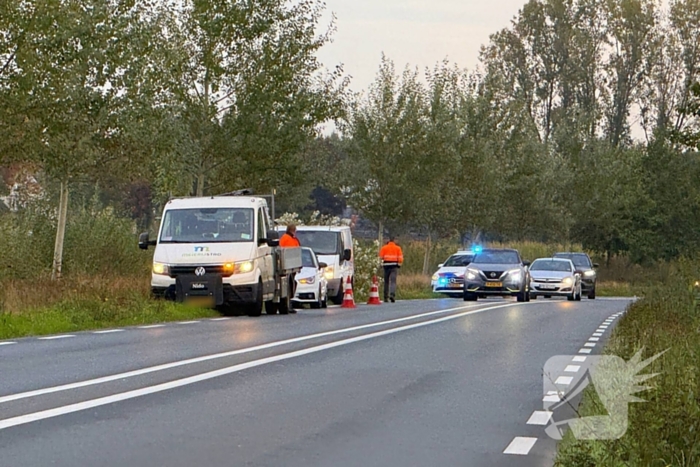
[449, 278]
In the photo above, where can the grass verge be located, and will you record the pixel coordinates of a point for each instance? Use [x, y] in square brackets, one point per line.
[665, 430]
[82, 303]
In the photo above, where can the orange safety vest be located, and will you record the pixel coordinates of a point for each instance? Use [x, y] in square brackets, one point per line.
[287, 241]
[391, 255]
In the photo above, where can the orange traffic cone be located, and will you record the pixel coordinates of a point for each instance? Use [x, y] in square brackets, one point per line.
[348, 300]
[374, 293]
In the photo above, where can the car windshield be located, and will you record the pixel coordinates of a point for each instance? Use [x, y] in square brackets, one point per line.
[550, 265]
[579, 260]
[307, 258]
[323, 243]
[458, 260]
[208, 225]
[497, 257]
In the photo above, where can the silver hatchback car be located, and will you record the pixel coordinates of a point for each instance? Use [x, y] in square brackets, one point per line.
[554, 277]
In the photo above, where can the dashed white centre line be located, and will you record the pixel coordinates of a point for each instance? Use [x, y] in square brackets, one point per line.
[50, 338]
[520, 446]
[589, 344]
[605, 326]
[597, 334]
[594, 339]
[152, 326]
[7, 343]
[572, 369]
[579, 359]
[564, 380]
[585, 351]
[108, 331]
[552, 396]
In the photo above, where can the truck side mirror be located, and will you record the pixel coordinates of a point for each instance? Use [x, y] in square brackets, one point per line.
[347, 255]
[144, 242]
[322, 265]
[273, 238]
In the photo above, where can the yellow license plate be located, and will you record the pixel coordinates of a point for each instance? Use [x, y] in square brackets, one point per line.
[205, 302]
[494, 284]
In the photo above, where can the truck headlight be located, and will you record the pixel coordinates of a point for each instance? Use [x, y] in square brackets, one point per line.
[161, 269]
[243, 267]
[329, 272]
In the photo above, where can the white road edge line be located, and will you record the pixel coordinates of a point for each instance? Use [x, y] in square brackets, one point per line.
[167, 366]
[152, 326]
[7, 343]
[188, 322]
[580, 351]
[540, 418]
[32, 417]
[572, 369]
[589, 344]
[520, 446]
[50, 338]
[594, 339]
[109, 331]
[579, 359]
[564, 380]
[597, 334]
[219, 319]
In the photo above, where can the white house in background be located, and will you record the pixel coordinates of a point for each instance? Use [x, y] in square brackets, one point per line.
[22, 192]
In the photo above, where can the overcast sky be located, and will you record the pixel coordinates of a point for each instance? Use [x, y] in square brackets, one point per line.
[416, 32]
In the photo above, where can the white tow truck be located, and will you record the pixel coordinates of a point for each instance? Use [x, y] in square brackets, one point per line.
[222, 251]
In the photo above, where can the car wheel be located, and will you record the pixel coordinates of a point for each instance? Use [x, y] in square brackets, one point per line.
[521, 296]
[470, 297]
[591, 295]
[571, 297]
[338, 298]
[319, 303]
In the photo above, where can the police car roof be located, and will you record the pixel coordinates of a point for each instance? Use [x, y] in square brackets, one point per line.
[215, 202]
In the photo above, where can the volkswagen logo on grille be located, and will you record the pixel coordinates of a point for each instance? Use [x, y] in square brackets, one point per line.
[493, 274]
[200, 271]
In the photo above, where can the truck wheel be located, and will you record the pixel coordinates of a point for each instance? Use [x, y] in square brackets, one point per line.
[255, 309]
[271, 308]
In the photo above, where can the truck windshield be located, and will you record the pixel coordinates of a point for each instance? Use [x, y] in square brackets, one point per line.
[211, 225]
[323, 243]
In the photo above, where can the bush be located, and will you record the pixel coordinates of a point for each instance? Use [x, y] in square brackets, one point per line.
[665, 430]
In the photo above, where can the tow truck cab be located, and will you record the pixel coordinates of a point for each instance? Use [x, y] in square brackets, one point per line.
[219, 251]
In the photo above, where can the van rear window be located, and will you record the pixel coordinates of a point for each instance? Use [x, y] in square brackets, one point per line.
[323, 243]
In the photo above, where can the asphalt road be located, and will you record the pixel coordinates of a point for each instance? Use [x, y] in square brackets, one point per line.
[435, 382]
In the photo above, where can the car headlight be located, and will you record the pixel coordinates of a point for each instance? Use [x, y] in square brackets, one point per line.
[243, 267]
[161, 269]
[515, 275]
[307, 280]
[590, 273]
[472, 274]
[329, 272]
[435, 277]
[567, 281]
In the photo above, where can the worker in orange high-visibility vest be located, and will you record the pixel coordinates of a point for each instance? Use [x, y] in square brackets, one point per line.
[289, 239]
[392, 259]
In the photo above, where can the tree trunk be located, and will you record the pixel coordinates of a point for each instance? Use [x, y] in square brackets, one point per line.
[200, 185]
[426, 258]
[60, 233]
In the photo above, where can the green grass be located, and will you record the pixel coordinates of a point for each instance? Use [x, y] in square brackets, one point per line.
[40, 307]
[618, 289]
[665, 430]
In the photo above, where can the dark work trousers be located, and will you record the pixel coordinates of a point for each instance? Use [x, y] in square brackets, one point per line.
[390, 273]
